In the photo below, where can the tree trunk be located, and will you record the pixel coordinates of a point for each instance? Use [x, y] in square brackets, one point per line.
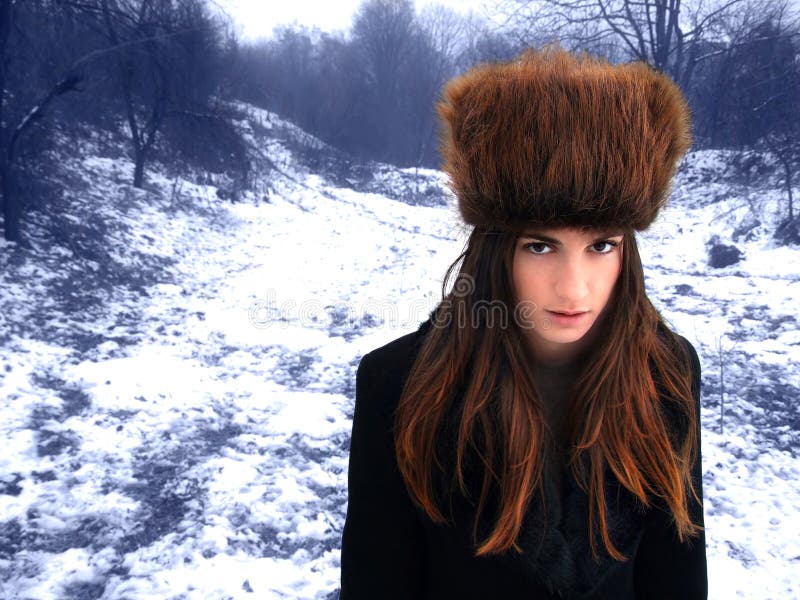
[722, 83]
[787, 168]
[11, 230]
[11, 204]
[138, 169]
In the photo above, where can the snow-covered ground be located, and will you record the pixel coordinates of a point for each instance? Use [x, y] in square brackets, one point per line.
[176, 401]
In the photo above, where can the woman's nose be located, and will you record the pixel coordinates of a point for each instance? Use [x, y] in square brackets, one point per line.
[571, 283]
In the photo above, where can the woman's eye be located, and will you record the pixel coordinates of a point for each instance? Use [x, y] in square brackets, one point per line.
[605, 243]
[534, 247]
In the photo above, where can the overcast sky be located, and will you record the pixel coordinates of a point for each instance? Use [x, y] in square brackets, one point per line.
[256, 18]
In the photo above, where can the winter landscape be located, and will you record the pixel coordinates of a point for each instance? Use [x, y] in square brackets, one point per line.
[176, 401]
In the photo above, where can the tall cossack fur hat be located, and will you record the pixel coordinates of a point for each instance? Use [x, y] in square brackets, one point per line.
[557, 139]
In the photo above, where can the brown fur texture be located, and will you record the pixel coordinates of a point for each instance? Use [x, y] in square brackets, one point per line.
[557, 139]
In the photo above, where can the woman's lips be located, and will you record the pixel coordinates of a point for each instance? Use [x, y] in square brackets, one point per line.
[565, 319]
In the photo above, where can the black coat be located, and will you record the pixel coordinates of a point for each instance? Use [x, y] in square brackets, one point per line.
[391, 549]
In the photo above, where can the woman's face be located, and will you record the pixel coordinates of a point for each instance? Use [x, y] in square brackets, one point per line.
[563, 270]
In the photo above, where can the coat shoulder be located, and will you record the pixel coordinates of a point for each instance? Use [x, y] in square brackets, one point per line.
[397, 350]
[690, 354]
[694, 361]
[388, 366]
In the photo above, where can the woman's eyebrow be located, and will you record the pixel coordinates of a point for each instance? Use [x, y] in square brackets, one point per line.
[603, 235]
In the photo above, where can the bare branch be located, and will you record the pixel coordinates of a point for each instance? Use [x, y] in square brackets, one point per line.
[65, 85]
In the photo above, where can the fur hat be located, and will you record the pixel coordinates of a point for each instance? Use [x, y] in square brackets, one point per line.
[556, 139]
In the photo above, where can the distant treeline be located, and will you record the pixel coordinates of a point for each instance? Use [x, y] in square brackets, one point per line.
[371, 90]
[160, 73]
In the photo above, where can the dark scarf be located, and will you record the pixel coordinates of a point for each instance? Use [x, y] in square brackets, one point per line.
[554, 535]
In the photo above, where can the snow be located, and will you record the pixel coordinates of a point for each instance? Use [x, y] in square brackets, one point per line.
[176, 402]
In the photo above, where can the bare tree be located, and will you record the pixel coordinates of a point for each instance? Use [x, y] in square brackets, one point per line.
[719, 116]
[382, 33]
[15, 124]
[341, 93]
[440, 40]
[160, 44]
[785, 145]
[753, 98]
[770, 94]
[141, 74]
[482, 43]
[663, 33]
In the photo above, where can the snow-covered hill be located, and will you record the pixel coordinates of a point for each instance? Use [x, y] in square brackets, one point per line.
[176, 387]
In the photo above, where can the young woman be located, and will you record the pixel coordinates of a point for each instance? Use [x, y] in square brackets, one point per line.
[539, 435]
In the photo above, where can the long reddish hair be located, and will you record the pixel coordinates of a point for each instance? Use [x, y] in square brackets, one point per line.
[617, 419]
